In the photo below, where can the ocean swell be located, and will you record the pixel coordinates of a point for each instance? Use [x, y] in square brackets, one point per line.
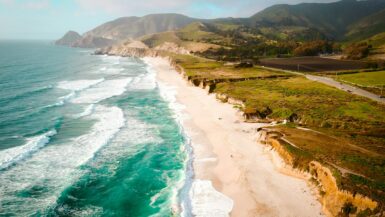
[11, 156]
[46, 168]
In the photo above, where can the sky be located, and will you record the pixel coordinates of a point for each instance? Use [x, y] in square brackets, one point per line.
[50, 19]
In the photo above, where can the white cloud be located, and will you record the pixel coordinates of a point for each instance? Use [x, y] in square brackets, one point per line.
[28, 4]
[132, 7]
[7, 2]
[198, 8]
[36, 5]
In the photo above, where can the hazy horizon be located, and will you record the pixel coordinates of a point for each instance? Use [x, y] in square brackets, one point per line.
[50, 19]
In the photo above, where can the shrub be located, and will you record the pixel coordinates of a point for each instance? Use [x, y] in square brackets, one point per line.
[357, 51]
[313, 48]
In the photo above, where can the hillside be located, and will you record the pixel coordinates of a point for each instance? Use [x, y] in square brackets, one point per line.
[132, 27]
[201, 37]
[377, 43]
[332, 19]
[340, 21]
[367, 27]
[93, 42]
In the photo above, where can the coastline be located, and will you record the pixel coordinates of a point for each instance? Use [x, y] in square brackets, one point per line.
[243, 173]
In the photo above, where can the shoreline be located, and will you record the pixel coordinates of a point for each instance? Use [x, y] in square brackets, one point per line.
[226, 153]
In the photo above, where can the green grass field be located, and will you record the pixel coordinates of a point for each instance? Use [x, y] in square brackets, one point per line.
[365, 78]
[201, 68]
[371, 81]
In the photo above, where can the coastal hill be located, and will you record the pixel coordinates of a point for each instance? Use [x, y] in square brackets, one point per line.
[127, 27]
[132, 27]
[342, 21]
[74, 39]
[69, 39]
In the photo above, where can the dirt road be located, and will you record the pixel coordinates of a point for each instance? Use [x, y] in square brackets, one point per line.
[345, 87]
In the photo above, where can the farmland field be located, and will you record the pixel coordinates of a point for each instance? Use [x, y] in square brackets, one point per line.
[312, 64]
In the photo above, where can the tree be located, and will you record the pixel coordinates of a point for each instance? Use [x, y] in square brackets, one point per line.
[357, 51]
[313, 48]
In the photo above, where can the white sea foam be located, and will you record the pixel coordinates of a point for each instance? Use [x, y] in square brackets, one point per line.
[145, 81]
[207, 202]
[113, 71]
[74, 86]
[78, 85]
[86, 51]
[102, 91]
[114, 60]
[56, 167]
[89, 109]
[168, 93]
[13, 155]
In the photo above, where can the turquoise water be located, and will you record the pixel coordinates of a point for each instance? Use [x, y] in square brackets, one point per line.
[85, 135]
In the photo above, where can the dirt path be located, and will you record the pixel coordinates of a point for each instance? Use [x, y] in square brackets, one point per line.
[345, 87]
[334, 83]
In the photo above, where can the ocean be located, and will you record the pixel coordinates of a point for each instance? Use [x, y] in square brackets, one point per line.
[86, 135]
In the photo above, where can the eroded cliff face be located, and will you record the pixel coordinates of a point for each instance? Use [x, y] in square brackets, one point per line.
[126, 51]
[172, 47]
[139, 49]
[335, 201]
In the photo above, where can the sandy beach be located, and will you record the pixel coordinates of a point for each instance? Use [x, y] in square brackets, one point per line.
[234, 175]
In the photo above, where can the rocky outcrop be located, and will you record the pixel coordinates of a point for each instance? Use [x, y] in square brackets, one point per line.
[172, 47]
[126, 51]
[74, 39]
[226, 99]
[139, 49]
[69, 39]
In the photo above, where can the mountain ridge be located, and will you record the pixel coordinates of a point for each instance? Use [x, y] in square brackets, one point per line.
[339, 20]
[330, 18]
